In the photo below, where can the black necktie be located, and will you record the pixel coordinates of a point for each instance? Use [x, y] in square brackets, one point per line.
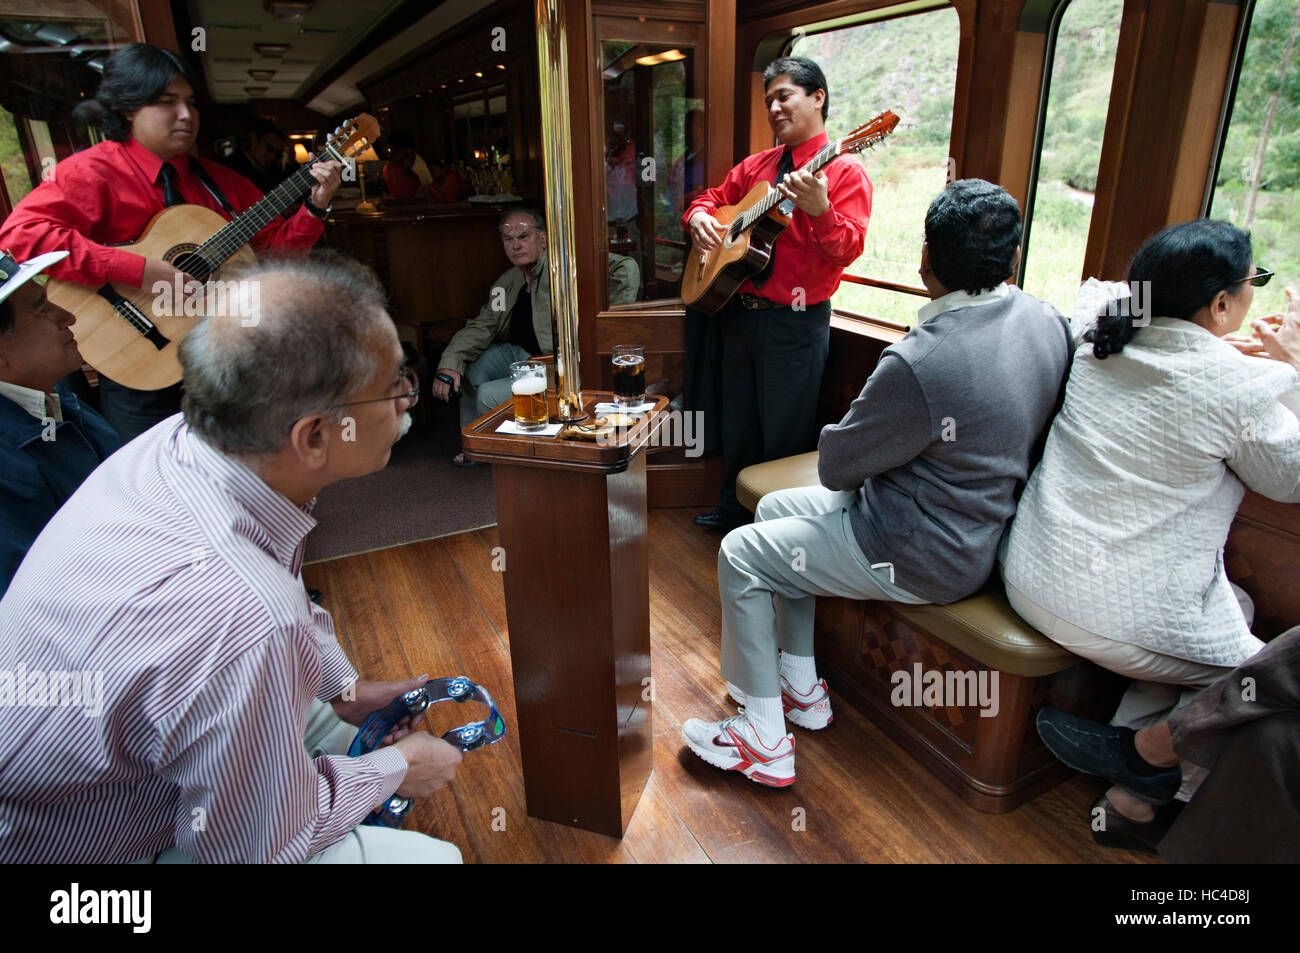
[784, 168]
[171, 194]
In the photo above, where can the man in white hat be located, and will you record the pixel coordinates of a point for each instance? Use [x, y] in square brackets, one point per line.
[49, 441]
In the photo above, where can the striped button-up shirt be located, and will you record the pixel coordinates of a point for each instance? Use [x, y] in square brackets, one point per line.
[158, 656]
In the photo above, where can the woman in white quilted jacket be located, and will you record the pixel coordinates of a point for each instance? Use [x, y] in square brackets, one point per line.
[1116, 550]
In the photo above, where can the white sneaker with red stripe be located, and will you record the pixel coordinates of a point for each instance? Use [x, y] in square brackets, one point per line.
[733, 745]
[811, 711]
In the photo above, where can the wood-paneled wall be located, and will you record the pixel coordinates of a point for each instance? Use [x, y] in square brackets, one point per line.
[414, 252]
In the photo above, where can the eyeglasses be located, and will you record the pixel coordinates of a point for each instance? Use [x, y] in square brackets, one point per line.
[1259, 279]
[408, 378]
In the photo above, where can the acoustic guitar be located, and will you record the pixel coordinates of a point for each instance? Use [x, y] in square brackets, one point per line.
[131, 334]
[755, 222]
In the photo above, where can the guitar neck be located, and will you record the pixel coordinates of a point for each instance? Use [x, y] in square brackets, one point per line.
[814, 165]
[234, 236]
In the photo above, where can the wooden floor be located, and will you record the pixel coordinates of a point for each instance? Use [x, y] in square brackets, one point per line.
[439, 607]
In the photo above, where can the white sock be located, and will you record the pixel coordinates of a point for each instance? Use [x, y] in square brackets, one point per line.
[768, 716]
[800, 671]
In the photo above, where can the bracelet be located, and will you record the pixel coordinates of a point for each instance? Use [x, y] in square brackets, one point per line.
[315, 210]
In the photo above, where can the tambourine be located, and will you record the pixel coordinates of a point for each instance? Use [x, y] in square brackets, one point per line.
[468, 737]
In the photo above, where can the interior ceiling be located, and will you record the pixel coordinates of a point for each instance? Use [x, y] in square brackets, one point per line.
[323, 38]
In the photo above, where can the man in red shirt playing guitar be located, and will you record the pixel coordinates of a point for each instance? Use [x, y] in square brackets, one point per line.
[107, 194]
[770, 340]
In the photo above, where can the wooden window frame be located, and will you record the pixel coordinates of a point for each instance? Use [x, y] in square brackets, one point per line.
[880, 15]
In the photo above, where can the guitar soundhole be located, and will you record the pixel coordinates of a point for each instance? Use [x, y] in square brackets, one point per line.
[183, 257]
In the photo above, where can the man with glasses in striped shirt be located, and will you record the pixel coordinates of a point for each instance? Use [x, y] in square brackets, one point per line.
[171, 582]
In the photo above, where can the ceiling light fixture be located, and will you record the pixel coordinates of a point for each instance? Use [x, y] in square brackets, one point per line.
[57, 33]
[654, 59]
[291, 11]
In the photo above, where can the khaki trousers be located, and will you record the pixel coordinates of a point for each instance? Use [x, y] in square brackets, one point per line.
[1161, 683]
[328, 734]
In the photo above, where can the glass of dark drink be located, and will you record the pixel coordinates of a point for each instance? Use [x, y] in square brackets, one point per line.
[629, 375]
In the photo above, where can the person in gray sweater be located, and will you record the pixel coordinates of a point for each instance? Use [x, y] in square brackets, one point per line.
[919, 481]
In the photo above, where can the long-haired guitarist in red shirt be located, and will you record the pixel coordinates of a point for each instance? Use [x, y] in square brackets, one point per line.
[107, 194]
[771, 339]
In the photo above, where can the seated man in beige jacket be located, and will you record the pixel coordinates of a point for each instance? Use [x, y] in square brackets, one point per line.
[514, 324]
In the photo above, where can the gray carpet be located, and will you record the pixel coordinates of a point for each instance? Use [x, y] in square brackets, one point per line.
[417, 496]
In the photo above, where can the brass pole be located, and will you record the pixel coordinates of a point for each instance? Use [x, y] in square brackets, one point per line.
[557, 160]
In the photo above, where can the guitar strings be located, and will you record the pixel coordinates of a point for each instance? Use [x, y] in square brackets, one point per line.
[773, 198]
[235, 234]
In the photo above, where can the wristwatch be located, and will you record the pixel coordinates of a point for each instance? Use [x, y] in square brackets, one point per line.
[316, 210]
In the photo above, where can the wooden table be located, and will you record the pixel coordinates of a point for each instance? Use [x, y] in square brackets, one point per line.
[572, 521]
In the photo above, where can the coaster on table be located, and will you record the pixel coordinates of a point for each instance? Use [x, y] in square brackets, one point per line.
[612, 408]
[509, 426]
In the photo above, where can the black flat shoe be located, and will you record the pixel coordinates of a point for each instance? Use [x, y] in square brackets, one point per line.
[721, 519]
[1107, 752]
[1110, 828]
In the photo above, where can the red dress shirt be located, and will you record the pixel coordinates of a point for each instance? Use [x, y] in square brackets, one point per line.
[811, 253]
[450, 189]
[107, 194]
[402, 182]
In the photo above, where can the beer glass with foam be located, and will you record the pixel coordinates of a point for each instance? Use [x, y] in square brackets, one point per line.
[528, 388]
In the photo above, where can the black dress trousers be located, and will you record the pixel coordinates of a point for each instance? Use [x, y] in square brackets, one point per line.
[772, 364]
[703, 374]
[131, 412]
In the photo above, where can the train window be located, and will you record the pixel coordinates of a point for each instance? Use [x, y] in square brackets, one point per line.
[907, 64]
[1060, 208]
[1258, 183]
[51, 60]
[13, 167]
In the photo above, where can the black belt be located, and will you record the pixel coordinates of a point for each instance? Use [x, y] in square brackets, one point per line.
[754, 303]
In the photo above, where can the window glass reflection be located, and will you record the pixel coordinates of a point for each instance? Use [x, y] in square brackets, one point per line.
[654, 165]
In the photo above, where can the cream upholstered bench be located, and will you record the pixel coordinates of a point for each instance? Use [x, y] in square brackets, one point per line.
[993, 762]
